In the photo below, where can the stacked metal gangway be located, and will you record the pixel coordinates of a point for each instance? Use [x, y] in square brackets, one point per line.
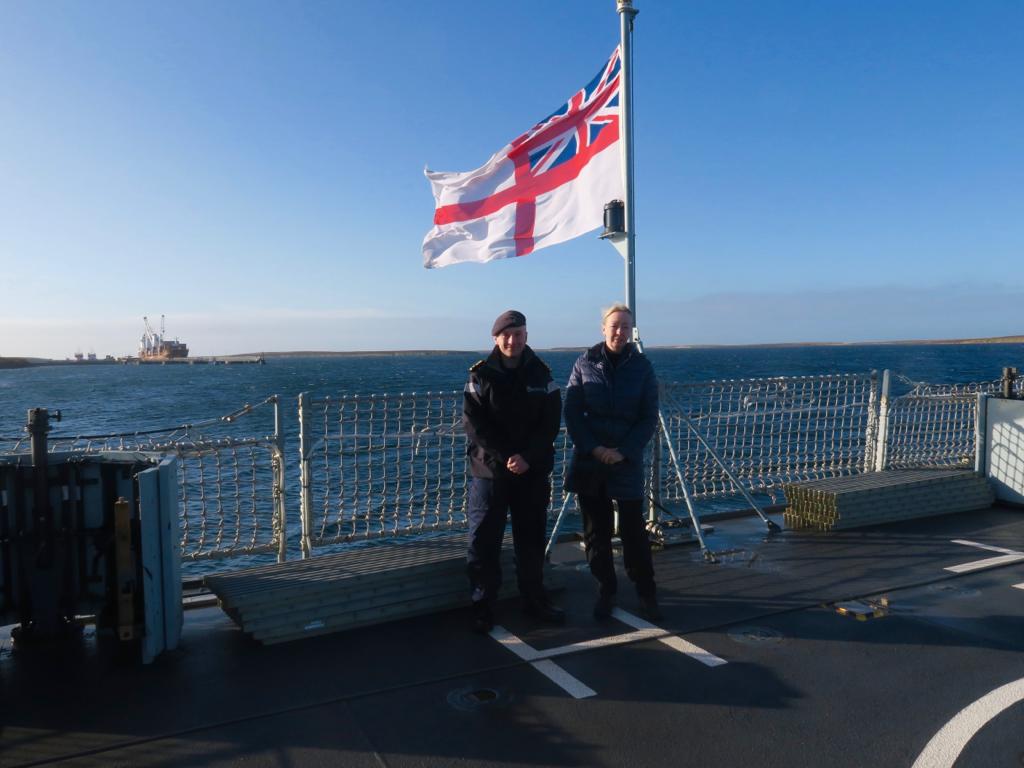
[874, 498]
[369, 585]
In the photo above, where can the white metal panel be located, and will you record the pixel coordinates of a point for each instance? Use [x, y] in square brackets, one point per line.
[170, 549]
[1004, 448]
[152, 567]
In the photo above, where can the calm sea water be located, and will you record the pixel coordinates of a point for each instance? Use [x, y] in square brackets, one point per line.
[117, 398]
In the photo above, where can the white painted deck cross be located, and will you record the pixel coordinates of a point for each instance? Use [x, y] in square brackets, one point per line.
[642, 630]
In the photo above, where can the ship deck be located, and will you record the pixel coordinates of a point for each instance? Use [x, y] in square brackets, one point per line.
[754, 664]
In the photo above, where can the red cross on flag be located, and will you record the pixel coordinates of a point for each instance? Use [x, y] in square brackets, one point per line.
[545, 187]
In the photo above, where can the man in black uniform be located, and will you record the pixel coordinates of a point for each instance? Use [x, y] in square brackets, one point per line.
[511, 411]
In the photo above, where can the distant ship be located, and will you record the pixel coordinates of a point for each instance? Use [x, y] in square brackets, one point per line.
[153, 345]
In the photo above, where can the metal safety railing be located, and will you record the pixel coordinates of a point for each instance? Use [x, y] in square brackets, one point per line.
[767, 431]
[231, 489]
[384, 465]
[373, 466]
[931, 425]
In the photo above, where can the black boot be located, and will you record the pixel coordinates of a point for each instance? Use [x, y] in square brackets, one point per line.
[603, 607]
[483, 618]
[649, 608]
[541, 607]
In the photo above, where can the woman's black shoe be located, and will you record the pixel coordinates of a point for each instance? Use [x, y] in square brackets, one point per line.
[603, 607]
[649, 608]
[483, 619]
[543, 609]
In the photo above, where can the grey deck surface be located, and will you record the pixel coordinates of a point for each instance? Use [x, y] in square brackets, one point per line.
[802, 686]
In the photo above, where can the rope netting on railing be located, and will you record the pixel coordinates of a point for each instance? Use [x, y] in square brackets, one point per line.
[377, 465]
[769, 431]
[924, 389]
[231, 495]
[931, 431]
[385, 465]
[933, 425]
[230, 487]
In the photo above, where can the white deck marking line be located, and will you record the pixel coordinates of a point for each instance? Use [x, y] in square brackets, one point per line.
[514, 644]
[603, 642]
[946, 745]
[693, 651]
[528, 653]
[989, 547]
[1018, 586]
[672, 641]
[560, 677]
[1008, 556]
[540, 660]
[988, 562]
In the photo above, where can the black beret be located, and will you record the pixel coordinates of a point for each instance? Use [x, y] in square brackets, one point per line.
[509, 319]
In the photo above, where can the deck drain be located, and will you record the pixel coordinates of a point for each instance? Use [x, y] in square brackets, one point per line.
[475, 697]
[755, 635]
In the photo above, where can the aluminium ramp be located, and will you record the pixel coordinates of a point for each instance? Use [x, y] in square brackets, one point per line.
[875, 498]
[376, 583]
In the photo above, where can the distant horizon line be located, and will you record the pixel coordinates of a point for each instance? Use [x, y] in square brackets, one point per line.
[1019, 339]
[756, 345]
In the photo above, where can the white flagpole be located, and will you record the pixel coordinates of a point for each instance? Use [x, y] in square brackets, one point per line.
[626, 14]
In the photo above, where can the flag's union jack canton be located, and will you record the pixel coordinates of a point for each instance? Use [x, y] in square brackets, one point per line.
[546, 186]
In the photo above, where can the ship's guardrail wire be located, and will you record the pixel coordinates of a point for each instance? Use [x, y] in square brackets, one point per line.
[769, 431]
[384, 465]
[381, 465]
[230, 486]
[932, 430]
[933, 425]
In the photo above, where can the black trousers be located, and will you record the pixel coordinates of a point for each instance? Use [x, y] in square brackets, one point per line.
[598, 527]
[526, 497]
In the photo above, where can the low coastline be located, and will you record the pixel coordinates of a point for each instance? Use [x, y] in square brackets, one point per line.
[893, 343]
[9, 363]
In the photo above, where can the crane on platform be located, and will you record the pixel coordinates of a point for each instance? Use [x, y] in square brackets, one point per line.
[153, 345]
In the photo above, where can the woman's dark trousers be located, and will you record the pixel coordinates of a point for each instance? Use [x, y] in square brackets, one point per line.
[598, 528]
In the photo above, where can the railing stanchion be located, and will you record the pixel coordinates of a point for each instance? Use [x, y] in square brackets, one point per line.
[882, 443]
[305, 484]
[280, 475]
[871, 430]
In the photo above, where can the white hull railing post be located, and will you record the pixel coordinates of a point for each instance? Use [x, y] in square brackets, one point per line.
[882, 443]
[279, 482]
[980, 433]
[305, 476]
[871, 430]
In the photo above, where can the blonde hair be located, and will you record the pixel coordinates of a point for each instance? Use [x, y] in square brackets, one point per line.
[616, 308]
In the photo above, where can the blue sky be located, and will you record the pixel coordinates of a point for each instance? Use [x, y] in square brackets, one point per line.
[821, 170]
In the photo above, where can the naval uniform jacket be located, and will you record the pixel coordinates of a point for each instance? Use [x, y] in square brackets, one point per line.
[613, 406]
[508, 412]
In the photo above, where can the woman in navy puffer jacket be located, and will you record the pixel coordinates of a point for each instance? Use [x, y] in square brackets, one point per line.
[611, 412]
